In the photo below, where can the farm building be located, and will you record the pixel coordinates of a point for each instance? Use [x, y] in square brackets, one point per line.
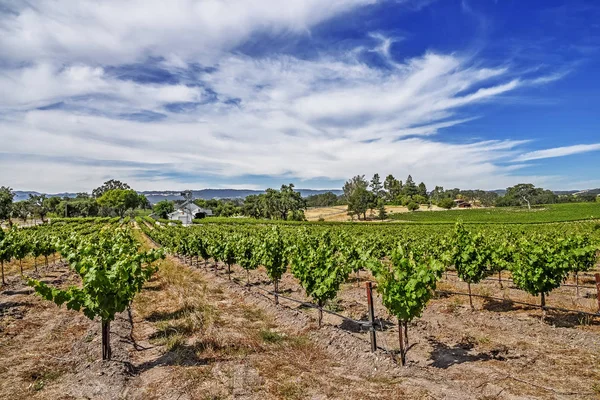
[189, 211]
[460, 203]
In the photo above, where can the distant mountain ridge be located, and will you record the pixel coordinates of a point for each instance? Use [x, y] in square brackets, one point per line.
[154, 196]
[21, 195]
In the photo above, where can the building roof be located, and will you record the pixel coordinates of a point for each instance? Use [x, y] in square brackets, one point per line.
[191, 208]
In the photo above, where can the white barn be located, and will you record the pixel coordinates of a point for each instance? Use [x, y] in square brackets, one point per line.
[189, 211]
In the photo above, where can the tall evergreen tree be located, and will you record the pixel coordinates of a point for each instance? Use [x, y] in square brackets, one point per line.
[409, 188]
[423, 190]
[393, 187]
[376, 186]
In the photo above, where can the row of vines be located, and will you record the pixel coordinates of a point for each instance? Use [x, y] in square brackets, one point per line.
[407, 261]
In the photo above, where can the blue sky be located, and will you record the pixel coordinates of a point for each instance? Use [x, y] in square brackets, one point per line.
[237, 94]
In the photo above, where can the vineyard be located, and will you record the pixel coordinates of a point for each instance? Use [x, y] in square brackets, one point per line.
[321, 270]
[406, 262]
[548, 213]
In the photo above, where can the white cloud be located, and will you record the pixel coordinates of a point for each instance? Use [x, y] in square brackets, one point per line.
[118, 31]
[45, 83]
[558, 152]
[331, 116]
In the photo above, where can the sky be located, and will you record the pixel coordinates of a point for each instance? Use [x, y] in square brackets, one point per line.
[191, 94]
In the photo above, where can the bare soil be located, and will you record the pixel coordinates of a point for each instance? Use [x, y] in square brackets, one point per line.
[195, 334]
[499, 350]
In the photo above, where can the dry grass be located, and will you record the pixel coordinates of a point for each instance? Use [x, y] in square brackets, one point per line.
[12, 269]
[340, 213]
[220, 346]
[36, 340]
[214, 340]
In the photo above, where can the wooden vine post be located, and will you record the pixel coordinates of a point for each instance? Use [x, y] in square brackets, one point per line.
[403, 339]
[371, 316]
[543, 304]
[106, 351]
[597, 276]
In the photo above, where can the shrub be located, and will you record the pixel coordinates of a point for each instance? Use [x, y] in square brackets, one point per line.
[412, 206]
[420, 199]
[446, 203]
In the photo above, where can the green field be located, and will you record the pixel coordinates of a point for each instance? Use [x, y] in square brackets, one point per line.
[538, 214]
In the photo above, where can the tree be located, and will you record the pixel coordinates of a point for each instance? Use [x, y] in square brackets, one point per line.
[357, 196]
[285, 204]
[143, 202]
[109, 185]
[52, 204]
[21, 210]
[6, 203]
[420, 199]
[376, 186]
[393, 187]
[226, 209]
[523, 193]
[405, 287]
[481, 197]
[410, 188]
[291, 205]
[322, 200]
[381, 212]
[359, 202]
[119, 200]
[38, 205]
[422, 190]
[446, 203]
[252, 207]
[79, 207]
[163, 208]
[452, 193]
[437, 194]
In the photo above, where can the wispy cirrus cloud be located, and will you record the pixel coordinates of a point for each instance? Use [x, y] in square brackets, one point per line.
[558, 152]
[116, 31]
[155, 94]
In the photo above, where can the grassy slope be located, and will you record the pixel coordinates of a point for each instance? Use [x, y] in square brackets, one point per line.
[548, 213]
